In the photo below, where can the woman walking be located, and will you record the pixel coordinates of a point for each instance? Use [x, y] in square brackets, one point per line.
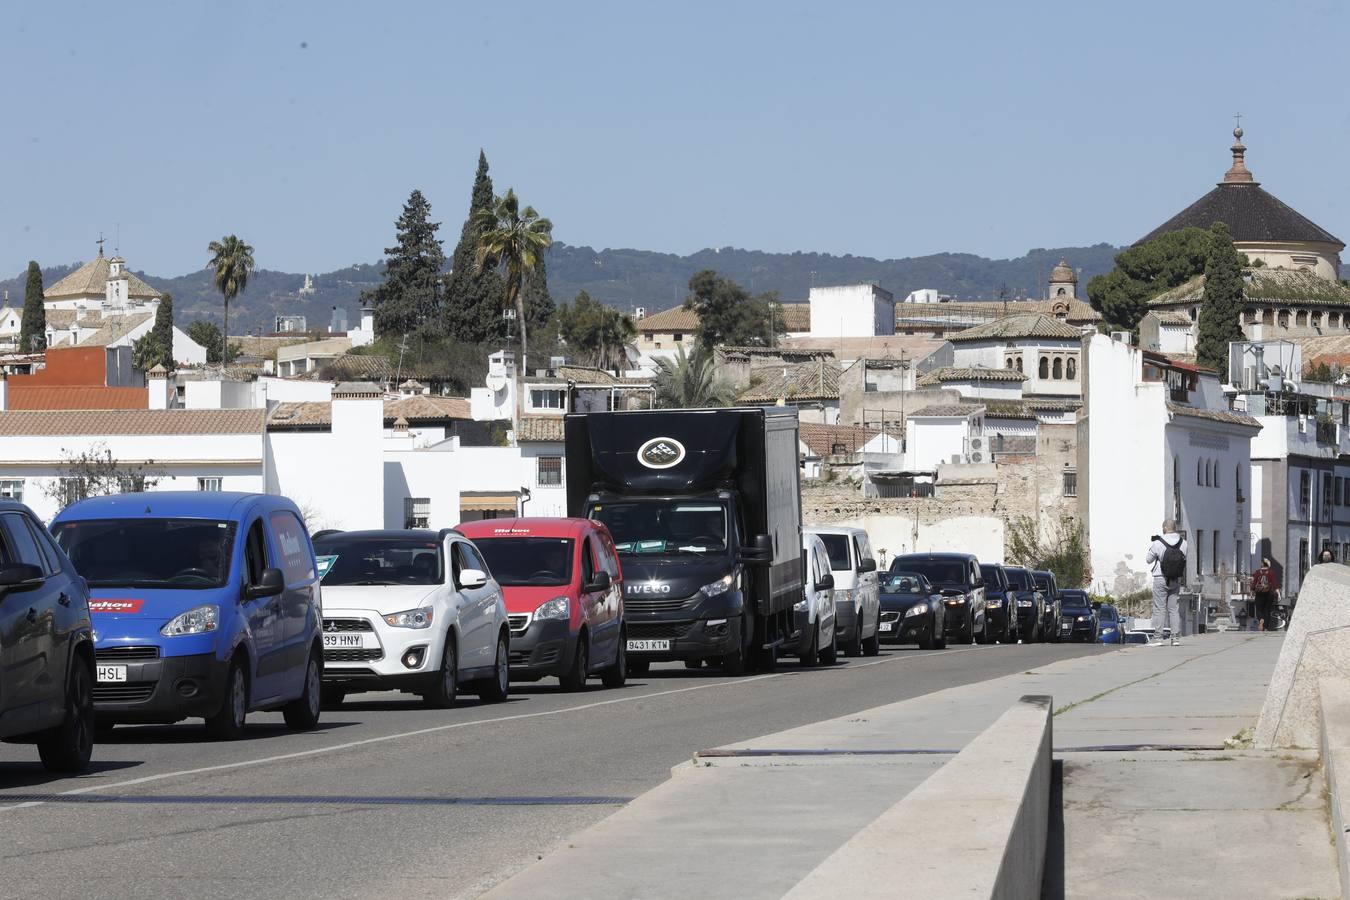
[1265, 588]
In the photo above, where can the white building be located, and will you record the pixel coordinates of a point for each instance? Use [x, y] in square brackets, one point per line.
[941, 435]
[851, 310]
[1043, 348]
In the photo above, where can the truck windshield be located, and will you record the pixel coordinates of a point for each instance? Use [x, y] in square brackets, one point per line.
[526, 561]
[665, 527]
[377, 560]
[836, 545]
[149, 553]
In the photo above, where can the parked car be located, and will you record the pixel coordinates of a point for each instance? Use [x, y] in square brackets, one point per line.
[1000, 604]
[564, 594]
[912, 611]
[957, 577]
[415, 611]
[1136, 637]
[46, 645]
[1077, 618]
[205, 604]
[857, 595]
[1030, 604]
[815, 614]
[1046, 584]
[1111, 629]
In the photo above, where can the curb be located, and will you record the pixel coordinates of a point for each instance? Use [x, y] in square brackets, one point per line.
[1335, 702]
[981, 838]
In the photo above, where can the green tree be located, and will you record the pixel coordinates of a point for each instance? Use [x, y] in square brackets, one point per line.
[94, 472]
[231, 264]
[473, 295]
[1320, 372]
[690, 381]
[513, 239]
[1221, 311]
[163, 329]
[147, 352]
[595, 333]
[33, 327]
[412, 291]
[728, 316]
[208, 336]
[538, 303]
[1144, 271]
[1062, 549]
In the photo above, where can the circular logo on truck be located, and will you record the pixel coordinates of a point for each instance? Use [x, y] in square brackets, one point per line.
[661, 453]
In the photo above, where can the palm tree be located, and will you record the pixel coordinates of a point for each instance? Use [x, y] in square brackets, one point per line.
[231, 262]
[615, 333]
[513, 240]
[690, 382]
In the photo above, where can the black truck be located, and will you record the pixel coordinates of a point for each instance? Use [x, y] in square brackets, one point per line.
[705, 510]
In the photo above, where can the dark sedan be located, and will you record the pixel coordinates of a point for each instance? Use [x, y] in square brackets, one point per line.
[1030, 604]
[1077, 618]
[1000, 603]
[912, 611]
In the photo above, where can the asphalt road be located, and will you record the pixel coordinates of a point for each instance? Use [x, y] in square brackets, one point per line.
[387, 798]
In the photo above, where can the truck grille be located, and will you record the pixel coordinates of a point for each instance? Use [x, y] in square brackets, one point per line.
[367, 654]
[654, 604]
[118, 654]
[518, 622]
[123, 693]
[639, 631]
[335, 625]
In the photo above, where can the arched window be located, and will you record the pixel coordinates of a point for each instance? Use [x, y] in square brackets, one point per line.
[1195, 313]
[1215, 466]
[1301, 318]
[1268, 317]
[1333, 320]
[1008, 363]
[1059, 293]
[1283, 318]
[1059, 368]
[1045, 367]
[1019, 363]
[1200, 472]
[1071, 369]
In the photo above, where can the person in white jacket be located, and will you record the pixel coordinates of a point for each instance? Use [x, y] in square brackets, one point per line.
[1166, 591]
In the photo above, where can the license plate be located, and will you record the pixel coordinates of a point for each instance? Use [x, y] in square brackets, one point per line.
[111, 673]
[887, 626]
[1065, 627]
[649, 646]
[344, 641]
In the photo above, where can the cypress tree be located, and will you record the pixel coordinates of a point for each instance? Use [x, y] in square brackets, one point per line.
[412, 294]
[1221, 309]
[162, 332]
[33, 327]
[473, 300]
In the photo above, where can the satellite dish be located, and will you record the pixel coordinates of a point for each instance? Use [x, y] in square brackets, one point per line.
[496, 382]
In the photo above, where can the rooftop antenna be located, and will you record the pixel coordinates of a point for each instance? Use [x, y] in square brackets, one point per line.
[117, 247]
[100, 243]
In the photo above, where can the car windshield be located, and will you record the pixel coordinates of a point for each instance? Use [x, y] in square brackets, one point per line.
[836, 545]
[1019, 580]
[354, 560]
[1106, 615]
[991, 579]
[523, 561]
[665, 527]
[149, 553]
[1074, 599]
[938, 571]
[1043, 583]
[904, 583]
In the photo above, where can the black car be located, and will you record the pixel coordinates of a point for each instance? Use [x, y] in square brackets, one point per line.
[1046, 584]
[1077, 618]
[1000, 604]
[957, 578]
[46, 645]
[912, 611]
[1030, 603]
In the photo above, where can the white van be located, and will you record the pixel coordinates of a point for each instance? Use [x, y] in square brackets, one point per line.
[815, 614]
[857, 588]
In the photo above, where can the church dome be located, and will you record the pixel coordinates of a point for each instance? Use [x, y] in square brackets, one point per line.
[1063, 273]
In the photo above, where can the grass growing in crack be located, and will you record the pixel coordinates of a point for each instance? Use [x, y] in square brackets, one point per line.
[1242, 740]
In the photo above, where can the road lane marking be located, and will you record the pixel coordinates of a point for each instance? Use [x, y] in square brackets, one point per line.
[451, 726]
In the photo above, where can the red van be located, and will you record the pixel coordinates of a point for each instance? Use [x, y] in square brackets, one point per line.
[564, 597]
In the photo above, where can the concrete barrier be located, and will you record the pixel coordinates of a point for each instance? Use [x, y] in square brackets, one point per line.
[1317, 645]
[975, 828]
[1335, 697]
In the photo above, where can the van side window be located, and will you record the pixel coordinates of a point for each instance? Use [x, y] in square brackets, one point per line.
[605, 553]
[587, 562]
[473, 559]
[857, 553]
[296, 557]
[255, 552]
[457, 564]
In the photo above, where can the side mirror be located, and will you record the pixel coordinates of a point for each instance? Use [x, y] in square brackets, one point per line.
[472, 578]
[599, 582]
[866, 564]
[20, 577]
[826, 582]
[270, 584]
[759, 552]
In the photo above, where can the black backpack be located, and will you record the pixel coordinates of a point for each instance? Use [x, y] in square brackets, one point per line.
[1173, 560]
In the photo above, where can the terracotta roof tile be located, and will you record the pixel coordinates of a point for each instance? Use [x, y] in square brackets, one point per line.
[1214, 415]
[424, 408]
[301, 415]
[131, 421]
[538, 429]
[949, 409]
[1290, 287]
[1023, 326]
[669, 321]
[114, 328]
[91, 279]
[1251, 214]
[817, 380]
[822, 438]
[970, 373]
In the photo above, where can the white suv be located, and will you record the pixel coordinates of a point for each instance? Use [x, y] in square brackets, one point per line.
[857, 590]
[416, 611]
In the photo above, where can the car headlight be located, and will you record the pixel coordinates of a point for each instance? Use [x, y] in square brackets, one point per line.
[916, 610]
[1108, 629]
[994, 602]
[411, 618]
[557, 608]
[955, 601]
[1082, 618]
[718, 587]
[198, 620]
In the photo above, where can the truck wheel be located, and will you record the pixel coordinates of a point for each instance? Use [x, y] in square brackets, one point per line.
[302, 713]
[733, 663]
[639, 667]
[830, 655]
[228, 723]
[68, 746]
[616, 676]
[574, 679]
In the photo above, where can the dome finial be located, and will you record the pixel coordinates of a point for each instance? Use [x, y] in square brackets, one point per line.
[1238, 172]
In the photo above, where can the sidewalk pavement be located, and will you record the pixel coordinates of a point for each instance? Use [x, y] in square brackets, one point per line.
[752, 819]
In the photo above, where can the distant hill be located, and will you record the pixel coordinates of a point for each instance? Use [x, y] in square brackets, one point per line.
[632, 278]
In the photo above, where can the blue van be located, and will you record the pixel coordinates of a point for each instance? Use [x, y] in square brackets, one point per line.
[204, 604]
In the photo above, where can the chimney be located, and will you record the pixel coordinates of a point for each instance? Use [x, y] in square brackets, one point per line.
[157, 380]
[4, 392]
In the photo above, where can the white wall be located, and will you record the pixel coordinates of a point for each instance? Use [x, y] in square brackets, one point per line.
[337, 477]
[286, 390]
[546, 500]
[986, 390]
[217, 394]
[933, 440]
[898, 534]
[852, 310]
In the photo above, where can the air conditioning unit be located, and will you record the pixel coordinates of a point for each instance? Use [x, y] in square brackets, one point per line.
[1123, 337]
[976, 443]
[975, 456]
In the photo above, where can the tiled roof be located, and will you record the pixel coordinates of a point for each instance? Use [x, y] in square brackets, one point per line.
[265, 346]
[970, 373]
[794, 382]
[1170, 317]
[300, 415]
[425, 408]
[318, 414]
[115, 328]
[351, 367]
[1250, 213]
[131, 421]
[61, 319]
[356, 389]
[914, 346]
[1024, 326]
[1214, 415]
[1074, 311]
[822, 438]
[326, 348]
[795, 316]
[91, 280]
[949, 409]
[1026, 409]
[1290, 287]
[77, 397]
[669, 321]
[593, 375]
[537, 429]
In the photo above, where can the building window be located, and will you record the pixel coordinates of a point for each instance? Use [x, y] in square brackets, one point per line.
[1200, 472]
[1070, 482]
[1214, 465]
[546, 399]
[1283, 317]
[678, 336]
[1302, 560]
[12, 489]
[1019, 363]
[208, 484]
[1304, 490]
[72, 490]
[1071, 369]
[1301, 318]
[548, 471]
[1045, 367]
[1317, 320]
[1008, 363]
[416, 512]
[131, 484]
[1336, 493]
[1214, 556]
[1237, 482]
[1200, 552]
[1252, 316]
[1326, 494]
[1059, 369]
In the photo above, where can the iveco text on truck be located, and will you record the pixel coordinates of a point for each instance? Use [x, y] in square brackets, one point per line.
[705, 510]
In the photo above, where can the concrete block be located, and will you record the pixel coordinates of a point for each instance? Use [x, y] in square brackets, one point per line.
[980, 837]
[1317, 645]
[1335, 697]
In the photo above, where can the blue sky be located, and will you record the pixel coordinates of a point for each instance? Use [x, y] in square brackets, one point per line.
[879, 129]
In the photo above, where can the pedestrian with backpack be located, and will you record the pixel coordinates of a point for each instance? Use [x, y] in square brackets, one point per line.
[1265, 589]
[1167, 561]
